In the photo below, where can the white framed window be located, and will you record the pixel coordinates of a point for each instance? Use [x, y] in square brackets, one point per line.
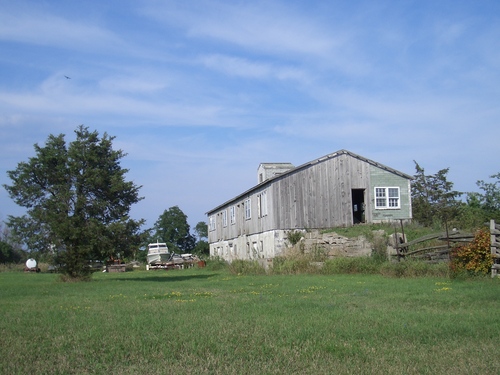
[232, 214]
[262, 204]
[387, 198]
[224, 218]
[211, 223]
[248, 209]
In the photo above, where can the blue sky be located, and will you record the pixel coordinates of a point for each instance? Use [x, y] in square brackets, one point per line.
[198, 93]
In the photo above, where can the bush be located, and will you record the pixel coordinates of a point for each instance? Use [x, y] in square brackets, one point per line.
[292, 265]
[216, 264]
[294, 236]
[473, 258]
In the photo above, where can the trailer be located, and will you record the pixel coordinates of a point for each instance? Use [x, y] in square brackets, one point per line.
[159, 257]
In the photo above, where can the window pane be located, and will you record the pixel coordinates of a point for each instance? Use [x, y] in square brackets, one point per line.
[394, 192]
[393, 202]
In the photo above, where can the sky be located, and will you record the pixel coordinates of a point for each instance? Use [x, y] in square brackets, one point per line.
[199, 93]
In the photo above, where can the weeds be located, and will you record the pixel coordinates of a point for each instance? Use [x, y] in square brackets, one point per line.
[294, 236]
[246, 267]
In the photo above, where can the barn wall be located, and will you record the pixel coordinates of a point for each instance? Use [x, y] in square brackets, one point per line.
[257, 246]
[383, 178]
[319, 196]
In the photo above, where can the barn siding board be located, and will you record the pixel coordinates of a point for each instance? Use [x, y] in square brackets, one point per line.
[315, 195]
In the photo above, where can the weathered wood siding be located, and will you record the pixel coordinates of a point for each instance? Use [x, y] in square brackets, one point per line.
[319, 196]
[314, 196]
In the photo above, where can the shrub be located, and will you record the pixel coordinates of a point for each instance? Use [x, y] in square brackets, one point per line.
[292, 265]
[379, 250]
[294, 236]
[473, 258]
[216, 264]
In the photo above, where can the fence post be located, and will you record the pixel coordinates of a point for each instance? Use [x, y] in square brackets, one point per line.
[493, 248]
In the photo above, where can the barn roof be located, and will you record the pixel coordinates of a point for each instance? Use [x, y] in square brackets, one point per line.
[308, 164]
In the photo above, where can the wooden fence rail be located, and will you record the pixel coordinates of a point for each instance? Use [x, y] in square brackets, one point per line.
[439, 251]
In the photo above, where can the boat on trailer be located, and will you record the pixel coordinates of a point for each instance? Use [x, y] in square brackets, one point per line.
[159, 257]
[155, 253]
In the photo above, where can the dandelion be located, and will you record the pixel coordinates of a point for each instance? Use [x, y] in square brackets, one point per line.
[444, 289]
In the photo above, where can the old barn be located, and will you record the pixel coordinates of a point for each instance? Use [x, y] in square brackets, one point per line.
[338, 190]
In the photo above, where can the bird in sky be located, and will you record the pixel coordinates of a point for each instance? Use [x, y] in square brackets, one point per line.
[67, 77]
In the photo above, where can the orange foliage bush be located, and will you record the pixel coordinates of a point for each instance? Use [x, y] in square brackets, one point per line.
[474, 257]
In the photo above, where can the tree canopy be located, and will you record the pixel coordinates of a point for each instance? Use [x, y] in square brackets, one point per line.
[77, 201]
[173, 229]
[433, 197]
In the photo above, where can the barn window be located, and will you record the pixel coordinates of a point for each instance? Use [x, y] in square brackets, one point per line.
[247, 207]
[211, 223]
[387, 198]
[224, 218]
[232, 214]
[262, 204]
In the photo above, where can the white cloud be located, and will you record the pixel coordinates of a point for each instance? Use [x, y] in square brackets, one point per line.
[41, 28]
[236, 66]
[128, 84]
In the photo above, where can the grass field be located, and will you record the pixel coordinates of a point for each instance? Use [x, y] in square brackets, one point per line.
[212, 322]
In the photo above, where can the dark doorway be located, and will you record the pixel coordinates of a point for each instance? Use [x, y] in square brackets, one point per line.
[358, 206]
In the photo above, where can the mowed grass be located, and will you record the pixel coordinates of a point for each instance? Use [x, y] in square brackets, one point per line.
[212, 322]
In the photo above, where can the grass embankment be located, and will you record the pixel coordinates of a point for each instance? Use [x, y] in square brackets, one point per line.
[202, 321]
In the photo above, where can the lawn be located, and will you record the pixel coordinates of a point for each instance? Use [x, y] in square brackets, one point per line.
[200, 321]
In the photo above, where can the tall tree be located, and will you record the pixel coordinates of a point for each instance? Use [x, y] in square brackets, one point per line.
[201, 230]
[77, 201]
[10, 250]
[490, 200]
[202, 247]
[433, 197]
[173, 229]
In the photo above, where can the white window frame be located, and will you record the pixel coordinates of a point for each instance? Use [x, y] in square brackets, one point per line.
[262, 204]
[232, 214]
[248, 208]
[387, 197]
[211, 223]
[224, 218]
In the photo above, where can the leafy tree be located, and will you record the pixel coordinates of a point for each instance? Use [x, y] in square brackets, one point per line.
[201, 230]
[77, 201]
[433, 197]
[471, 214]
[10, 252]
[173, 229]
[202, 247]
[490, 200]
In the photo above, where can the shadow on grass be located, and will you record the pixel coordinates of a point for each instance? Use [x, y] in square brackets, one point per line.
[167, 277]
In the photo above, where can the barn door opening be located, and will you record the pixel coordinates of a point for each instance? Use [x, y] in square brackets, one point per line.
[358, 206]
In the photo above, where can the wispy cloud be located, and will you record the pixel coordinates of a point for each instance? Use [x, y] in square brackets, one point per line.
[41, 28]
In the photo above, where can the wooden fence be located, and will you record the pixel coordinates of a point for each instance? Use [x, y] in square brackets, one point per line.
[443, 243]
[495, 247]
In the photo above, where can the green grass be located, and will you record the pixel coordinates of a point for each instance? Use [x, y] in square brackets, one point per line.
[204, 321]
